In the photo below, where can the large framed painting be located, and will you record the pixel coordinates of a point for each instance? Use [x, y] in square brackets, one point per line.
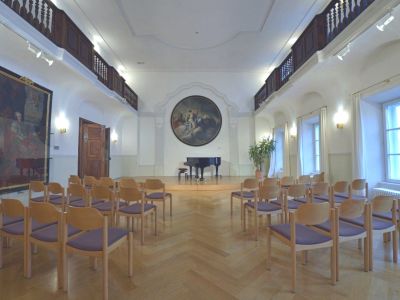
[25, 109]
[196, 120]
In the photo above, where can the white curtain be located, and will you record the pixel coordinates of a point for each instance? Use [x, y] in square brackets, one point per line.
[358, 139]
[300, 162]
[272, 166]
[324, 159]
[286, 152]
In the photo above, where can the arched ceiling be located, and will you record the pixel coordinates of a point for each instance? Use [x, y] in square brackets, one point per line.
[193, 35]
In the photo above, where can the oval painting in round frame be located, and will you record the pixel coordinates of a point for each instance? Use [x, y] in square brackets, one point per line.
[196, 120]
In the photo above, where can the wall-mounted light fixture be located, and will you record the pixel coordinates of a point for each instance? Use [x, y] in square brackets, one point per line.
[385, 21]
[293, 131]
[39, 53]
[342, 53]
[62, 123]
[114, 137]
[340, 118]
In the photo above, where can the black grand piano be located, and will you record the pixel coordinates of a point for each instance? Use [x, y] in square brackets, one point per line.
[201, 163]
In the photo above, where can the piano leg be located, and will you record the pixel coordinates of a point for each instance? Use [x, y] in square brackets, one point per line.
[216, 171]
[202, 171]
[197, 172]
[190, 171]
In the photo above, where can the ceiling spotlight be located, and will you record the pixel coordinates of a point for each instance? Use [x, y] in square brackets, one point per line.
[35, 50]
[385, 21]
[342, 53]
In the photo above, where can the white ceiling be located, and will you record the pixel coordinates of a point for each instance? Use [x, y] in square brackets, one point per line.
[193, 35]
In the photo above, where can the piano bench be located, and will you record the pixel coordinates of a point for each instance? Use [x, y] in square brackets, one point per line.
[182, 171]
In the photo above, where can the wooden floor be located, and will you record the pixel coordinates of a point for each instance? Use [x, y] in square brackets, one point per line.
[201, 253]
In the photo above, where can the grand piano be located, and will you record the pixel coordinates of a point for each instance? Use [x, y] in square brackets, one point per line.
[201, 163]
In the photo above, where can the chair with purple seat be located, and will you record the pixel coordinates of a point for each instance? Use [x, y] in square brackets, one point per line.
[56, 194]
[49, 237]
[304, 179]
[37, 191]
[77, 196]
[376, 225]
[13, 210]
[155, 191]
[103, 199]
[74, 179]
[320, 192]
[286, 181]
[349, 209]
[293, 197]
[268, 181]
[247, 192]
[109, 182]
[97, 241]
[134, 206]
[300, 237]
[264, 208]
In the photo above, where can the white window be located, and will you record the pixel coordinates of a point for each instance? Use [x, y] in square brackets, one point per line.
[279, 150]
[311, 147]
[392, 136]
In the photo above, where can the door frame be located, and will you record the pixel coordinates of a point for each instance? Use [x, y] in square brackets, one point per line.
[82, 122]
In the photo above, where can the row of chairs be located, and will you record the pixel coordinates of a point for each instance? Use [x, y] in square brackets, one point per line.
[84, 231]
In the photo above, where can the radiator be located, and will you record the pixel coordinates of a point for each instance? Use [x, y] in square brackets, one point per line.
[384, 192]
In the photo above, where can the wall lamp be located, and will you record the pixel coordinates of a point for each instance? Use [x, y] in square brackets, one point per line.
[62, 124]
[342, 53]
[340, 118]
[385, 21]
[114, 137]
[40, 53]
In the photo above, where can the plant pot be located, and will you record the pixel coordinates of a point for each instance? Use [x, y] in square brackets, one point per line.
[259, 175]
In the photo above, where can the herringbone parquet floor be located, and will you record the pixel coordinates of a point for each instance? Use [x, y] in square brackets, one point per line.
[202, 253]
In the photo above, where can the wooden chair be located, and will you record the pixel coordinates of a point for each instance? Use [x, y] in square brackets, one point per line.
[107, 181]
[103, 200]
[75, 179]
[299, 237]
[155, 191]
[89, 181]
[49, 237]
[261, 208]
[36, 187]
[134, 206]
[340, 191]
[384, 205]
[270, 181]
[304, 179]
[247, 188]
[77, 196]
[13, 210]
[318, 178]
[320, 192]
[98, 240]
[286, 181]
[345, 231]
[56, 194]
[359, 189]
[128, 183]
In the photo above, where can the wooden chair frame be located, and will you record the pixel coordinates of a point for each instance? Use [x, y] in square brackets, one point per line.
[248, 185]
[154, 185]
[54, 188]
[37, 187]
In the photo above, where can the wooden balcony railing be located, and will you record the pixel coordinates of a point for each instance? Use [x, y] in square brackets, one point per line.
[320, 32]
[61, 30]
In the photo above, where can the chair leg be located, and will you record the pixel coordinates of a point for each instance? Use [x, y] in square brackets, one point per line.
[293, 252]
[371, 251]
[359, 244]
[366, 255]
[395, 246]
[333, 264]
[231, 206]
[155, 221]
[142, 230]
[241, 209]
[28, 260]
[65, 270]
[1, 252]
[337, 260]
[130, 254]
[163, 207]
[170, 206]
[268, 248]
[105, 275]
[256, 223]
[244, 219]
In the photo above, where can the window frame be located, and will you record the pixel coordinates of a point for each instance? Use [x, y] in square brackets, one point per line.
[385, 140]
[315, 140]
[276, 129]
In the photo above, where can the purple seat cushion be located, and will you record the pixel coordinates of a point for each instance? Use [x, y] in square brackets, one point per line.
[385, 215]
[38, 199]
[317, 200]
[56, 199]
[263, 206]
[238, 194]
[11, 220]
[19, 228]
[377, 224]
[291, 203]
[97, 201]
[300, 199]
[339, 196]
[136, 208]
[304, 234]
[103, 206]
[93, 240]
[324, 198]
[158, 195]
[50, 233]
[78, 203]
[345, 229]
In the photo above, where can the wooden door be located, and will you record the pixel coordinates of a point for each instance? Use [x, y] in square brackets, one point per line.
[92, 150]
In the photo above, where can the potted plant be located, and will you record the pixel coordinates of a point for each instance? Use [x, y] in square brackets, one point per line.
[260, 153]
[266, 148]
